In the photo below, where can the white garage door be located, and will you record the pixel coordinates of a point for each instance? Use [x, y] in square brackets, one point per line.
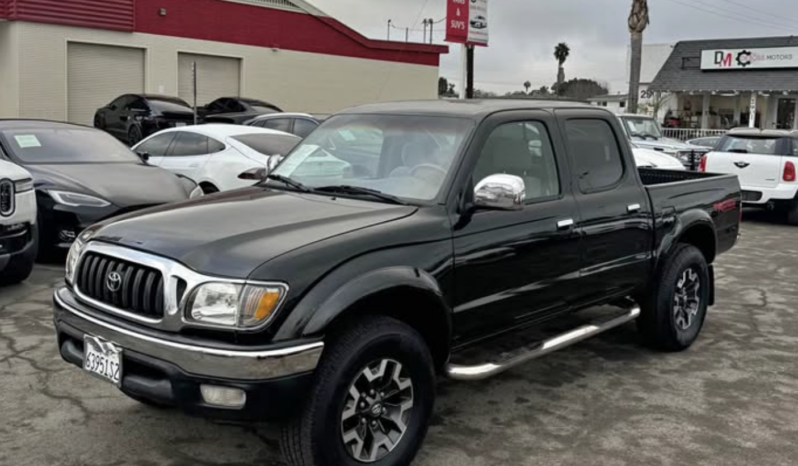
[97, 74]
[216, 77]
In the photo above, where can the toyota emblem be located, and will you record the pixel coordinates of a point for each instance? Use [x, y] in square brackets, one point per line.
[113, 281]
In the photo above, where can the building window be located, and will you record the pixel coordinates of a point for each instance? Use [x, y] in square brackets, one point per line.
[623, 104]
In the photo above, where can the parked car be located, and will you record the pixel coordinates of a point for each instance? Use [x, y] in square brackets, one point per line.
[647, 158]
[765, 161]
[235, 110]
[18, 234]
[215, 155]
[707, 142]
[83, 175]
[300, 124]
[331, 294]
[645, 133]
[133, 117]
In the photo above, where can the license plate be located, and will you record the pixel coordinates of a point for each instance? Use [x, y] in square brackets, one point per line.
[102, 359]
[179, 124]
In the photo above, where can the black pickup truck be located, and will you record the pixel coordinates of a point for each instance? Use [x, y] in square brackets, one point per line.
[330, 295]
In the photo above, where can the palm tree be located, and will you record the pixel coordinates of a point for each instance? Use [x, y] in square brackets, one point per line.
[638, 21]
[561, 53]
[527, 85]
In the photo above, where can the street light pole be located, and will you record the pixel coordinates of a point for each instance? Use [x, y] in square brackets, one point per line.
[389, 29]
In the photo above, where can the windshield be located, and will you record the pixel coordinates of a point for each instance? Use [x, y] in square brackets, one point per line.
[65, 145]
[404, 156]
[642, 128]
[750, 145]
[269, 144]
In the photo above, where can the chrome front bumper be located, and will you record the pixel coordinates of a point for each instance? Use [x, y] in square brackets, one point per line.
[209, 361]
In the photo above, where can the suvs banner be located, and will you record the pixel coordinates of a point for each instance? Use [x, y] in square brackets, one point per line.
[467, 22]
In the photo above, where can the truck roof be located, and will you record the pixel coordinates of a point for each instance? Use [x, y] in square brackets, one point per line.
[779, 133]
[472, 108]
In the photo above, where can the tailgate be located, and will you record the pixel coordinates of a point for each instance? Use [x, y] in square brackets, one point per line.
[753, 170]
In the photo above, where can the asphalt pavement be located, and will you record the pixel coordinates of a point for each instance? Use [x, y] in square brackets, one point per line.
[729, 400]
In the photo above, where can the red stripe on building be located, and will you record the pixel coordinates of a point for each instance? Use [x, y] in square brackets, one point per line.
[118, 15]
[238, 23]
[3, 9]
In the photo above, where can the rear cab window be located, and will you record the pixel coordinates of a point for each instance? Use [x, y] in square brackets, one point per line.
[595, 153]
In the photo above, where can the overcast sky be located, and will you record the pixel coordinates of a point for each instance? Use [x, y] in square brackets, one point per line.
[523, 33]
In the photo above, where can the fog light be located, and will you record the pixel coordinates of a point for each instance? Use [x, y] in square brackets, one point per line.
[224, 397]
[67, 236]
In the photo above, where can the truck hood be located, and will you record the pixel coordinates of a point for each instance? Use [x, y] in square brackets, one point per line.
[230, 234]
[664, 144]
[655, 159]
[12, 171]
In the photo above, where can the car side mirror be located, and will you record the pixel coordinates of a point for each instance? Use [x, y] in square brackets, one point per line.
[254, 174]
[500, 192]
[144, 156]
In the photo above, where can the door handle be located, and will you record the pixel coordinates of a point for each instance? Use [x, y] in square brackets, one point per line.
[633, 208]
[565, 224]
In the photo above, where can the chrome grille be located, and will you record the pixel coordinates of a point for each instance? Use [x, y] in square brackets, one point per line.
[7, 198]
[138, 289]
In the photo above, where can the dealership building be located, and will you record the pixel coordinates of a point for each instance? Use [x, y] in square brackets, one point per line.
[63, 59]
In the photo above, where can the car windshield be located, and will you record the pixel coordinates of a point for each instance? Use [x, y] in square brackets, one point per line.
[169, 105]
[65, 145]
[408, 157]
[269, 144]
[642, 128]
[750, 145]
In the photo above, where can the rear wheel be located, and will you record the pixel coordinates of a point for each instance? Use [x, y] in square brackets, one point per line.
[134, 136]
[98, 122]
[674, 312]
[792, 213]
[371, 400]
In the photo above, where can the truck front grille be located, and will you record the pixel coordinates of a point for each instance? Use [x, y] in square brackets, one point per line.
[124, 285]
[6, 198]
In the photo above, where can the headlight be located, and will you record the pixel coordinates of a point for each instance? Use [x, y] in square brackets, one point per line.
[74, 254]
[77, 200]
[23, 186]
[234, 305]
[196, 192]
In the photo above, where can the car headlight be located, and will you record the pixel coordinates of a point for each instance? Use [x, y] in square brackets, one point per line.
[77, 200]
[234, 305]
[74, 254]
[23, 186]
[196, 192]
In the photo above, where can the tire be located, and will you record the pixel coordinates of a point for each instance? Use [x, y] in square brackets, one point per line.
[673, 313]
[20, 266]
[134, 136]
[98, 122]
[375, 345]
[792, 213]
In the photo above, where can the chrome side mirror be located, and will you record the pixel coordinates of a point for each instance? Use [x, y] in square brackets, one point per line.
[501, 192]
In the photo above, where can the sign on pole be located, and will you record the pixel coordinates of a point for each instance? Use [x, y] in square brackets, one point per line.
[467, 22]
[194, 88]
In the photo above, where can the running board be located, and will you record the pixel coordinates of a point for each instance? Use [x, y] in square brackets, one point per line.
[525, 354]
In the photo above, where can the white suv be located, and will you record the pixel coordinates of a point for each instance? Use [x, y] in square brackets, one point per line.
[18, 235]
[765, 162]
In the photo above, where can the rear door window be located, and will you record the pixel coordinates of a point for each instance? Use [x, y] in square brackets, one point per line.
[189, 144]
[595, 153]
[279, 124]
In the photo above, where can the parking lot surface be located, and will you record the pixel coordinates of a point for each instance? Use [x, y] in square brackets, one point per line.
[730, 400]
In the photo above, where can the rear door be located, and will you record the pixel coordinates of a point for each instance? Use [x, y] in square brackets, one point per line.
[616, 219]
[756, 160]
[187, 155]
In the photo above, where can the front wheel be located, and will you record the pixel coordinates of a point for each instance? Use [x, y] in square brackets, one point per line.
[674, 312]
[371, 400]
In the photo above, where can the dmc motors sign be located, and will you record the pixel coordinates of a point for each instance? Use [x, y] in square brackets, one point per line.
[745, 59]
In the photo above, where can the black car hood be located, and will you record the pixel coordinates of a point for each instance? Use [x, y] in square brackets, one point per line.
[231, 234]
[122, 184]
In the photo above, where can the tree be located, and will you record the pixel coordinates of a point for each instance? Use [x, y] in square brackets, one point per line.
[638, 21]
[544, 90]
[527, 85]
[561, 53]
[480, 94]
[443, 86]
[581, 89]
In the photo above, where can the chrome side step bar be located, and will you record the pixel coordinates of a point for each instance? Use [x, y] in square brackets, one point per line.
[525, 354]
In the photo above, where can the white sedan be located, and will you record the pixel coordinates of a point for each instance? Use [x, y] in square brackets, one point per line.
[647, 158]
[214, 155]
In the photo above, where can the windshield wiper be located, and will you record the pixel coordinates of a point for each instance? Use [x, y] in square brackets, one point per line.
[288, 181]
[357, 190]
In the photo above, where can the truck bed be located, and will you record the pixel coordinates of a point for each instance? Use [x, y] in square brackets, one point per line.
[675, 192]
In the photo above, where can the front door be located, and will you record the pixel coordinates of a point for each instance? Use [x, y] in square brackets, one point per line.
[616, 220]
[514, 267]
[187, 155]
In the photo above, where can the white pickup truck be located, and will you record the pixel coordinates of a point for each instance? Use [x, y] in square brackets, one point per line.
[765, 161]
[18, 234]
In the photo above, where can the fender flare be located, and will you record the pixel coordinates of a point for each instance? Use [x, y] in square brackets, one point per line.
[683, 224]
[370, 284]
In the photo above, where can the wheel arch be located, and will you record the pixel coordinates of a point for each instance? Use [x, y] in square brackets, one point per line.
[695, 228]
[406, 294]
